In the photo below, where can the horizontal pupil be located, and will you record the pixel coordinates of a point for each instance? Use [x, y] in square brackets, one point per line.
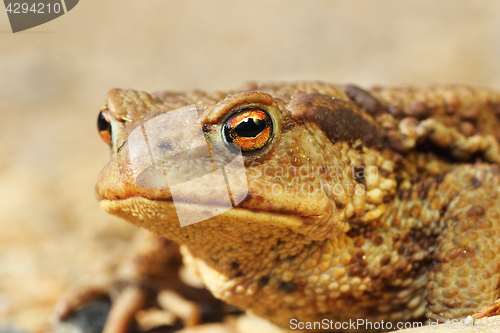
[250, 127]
[102, 123]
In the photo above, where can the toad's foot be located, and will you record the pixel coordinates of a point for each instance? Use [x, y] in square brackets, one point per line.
[129, 309]
[151, 269]
[489, 310]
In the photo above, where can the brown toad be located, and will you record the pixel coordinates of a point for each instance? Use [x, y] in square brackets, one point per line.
[379, 204]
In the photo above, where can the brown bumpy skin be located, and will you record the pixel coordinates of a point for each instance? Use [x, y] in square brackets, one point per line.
[465, 273]
[395, 217]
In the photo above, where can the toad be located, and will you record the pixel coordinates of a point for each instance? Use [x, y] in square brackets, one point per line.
[380, 203]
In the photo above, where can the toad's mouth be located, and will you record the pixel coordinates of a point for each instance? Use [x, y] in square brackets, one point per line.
[117, 189]
[154, 213]
[121, 195]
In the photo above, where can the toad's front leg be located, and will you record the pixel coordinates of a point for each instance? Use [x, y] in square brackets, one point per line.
[151, 267]
[465, 274]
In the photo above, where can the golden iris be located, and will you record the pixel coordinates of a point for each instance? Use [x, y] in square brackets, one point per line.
[249, 129]
[104, 126]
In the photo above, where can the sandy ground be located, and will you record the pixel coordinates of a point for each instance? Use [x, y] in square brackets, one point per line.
[54, 78]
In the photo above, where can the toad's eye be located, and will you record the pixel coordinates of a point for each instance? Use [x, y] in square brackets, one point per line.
[249, 129]
[104, 126]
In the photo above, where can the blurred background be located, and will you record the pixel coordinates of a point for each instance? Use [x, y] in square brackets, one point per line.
[54, 78]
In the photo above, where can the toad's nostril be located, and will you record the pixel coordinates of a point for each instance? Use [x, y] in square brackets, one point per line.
[165, 146]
